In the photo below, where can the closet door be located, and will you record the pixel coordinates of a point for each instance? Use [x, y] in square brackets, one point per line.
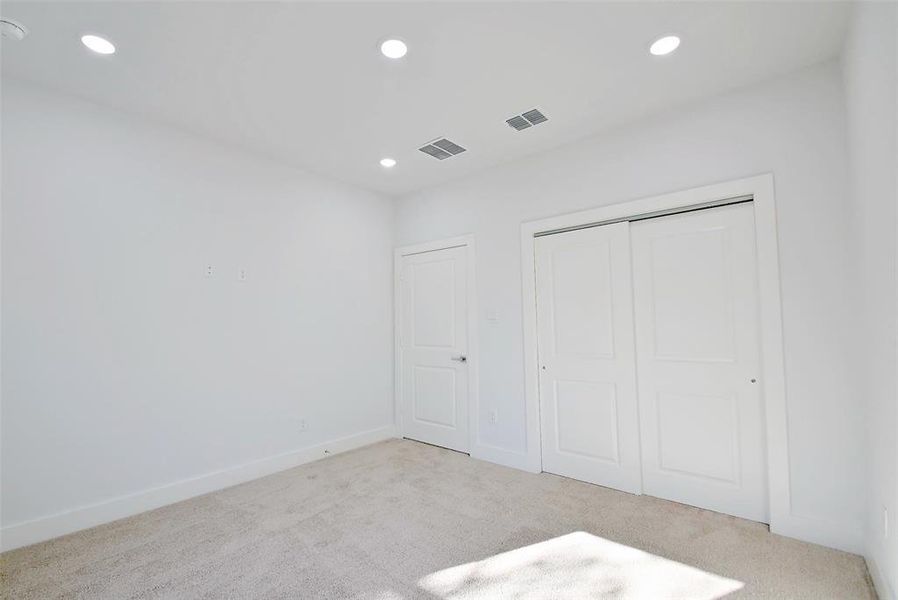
[589, 418]
[696, 306]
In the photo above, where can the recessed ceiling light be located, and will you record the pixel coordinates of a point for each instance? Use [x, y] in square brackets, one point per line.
[665, 45]
[393, 48]
[98, 44]
[388, 162]
[13, 29]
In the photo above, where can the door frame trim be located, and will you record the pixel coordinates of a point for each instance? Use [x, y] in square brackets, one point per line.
[773, 383]
[473, 353]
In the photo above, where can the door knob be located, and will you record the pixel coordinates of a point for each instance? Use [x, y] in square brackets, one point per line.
[461, 358]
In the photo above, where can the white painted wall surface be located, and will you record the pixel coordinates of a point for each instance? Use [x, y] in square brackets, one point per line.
[793, 127]
[124, 367]
[871, 76]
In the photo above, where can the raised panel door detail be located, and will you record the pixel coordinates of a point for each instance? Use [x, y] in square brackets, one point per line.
[715, 452]
[433, 303]
[582, 297]
[586, 418]
[692, 296]
[435, 392]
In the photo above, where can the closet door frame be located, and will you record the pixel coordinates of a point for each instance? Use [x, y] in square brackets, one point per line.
[760, 190]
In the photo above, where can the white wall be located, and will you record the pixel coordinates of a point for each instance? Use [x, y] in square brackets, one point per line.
[793, 127]
[125, 368]
[871, 77]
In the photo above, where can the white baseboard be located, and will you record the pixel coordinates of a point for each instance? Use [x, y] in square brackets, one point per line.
[45, 528]
[839, 535]
[883, 589]
[501, 456]
[834, 535]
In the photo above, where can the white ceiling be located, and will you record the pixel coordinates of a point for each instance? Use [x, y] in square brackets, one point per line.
[306, 84]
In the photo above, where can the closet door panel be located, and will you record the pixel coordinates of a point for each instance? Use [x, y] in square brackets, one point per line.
[589, 418]
[698, 360]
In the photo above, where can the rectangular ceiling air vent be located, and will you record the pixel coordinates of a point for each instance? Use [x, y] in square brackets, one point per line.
[527, 119]
[518, 123]
[441, 149]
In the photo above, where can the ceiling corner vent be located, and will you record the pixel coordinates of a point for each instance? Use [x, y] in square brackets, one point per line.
[441, 149]
[527, 119]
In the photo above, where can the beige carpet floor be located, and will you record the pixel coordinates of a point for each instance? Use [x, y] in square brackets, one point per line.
[401, 520]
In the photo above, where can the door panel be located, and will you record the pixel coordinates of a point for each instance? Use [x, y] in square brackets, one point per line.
[696, 309]
[680, 417]
[433, 302]
[433, 336]
[588, 407]
[586, 419]
[692, 296]
[434, 392]
[581, 298]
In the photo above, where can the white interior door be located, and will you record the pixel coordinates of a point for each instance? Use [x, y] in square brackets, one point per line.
[588, 412]
[696, 306]
[434, 342]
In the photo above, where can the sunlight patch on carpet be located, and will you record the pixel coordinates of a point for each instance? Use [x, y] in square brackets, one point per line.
[577, 565]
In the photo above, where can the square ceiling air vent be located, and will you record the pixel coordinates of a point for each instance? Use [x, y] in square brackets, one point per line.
[527, 119]
[441, 149]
